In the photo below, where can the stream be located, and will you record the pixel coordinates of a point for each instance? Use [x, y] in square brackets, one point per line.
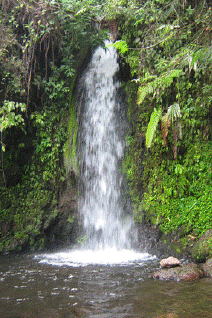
[31, 289]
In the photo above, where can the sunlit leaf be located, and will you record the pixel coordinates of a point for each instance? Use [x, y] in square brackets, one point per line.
[152, 126]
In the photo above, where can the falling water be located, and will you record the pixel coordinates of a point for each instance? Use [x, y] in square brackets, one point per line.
[108, 228]
[102, 146]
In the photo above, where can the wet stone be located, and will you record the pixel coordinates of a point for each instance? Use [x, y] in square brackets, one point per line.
[169, 262]
[207, 268]
[189, 272]
[202, 249]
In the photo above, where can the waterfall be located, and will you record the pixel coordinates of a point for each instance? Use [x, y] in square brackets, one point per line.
[108, 227]
[102, 141]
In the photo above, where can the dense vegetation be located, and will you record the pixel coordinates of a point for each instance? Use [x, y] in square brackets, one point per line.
[169, 158]
[43, 46]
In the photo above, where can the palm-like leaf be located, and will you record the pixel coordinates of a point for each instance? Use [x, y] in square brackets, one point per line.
[174, 111]
[171, 116]
[154, 119]
[165, 123]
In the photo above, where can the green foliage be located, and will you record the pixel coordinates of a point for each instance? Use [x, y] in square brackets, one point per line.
[48, 145]
[51, 128]
[39, 66]
[24, 215]
[156, 85]
[169, 55]
[202, 249]
[167, 45]
[70, 151]
[121, 46]
[179, 194]
[154, 119]
[173, 112]
[9, 116]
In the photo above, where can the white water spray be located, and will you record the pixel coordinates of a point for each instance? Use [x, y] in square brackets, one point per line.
[107, 229]
[102, 146]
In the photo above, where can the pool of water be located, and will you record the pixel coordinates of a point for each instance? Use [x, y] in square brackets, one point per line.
[32, 288]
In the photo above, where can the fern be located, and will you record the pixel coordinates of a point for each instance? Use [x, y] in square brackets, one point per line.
[174, 111]
[154, 120]
[172, 114]
[143, 91]
[165, 123]
[160, 83]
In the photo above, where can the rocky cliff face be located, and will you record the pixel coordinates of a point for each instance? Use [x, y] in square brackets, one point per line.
[63, 229]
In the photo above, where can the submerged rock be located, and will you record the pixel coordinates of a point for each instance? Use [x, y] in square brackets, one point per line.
[202, 249]
[188, 272]
[169, 262]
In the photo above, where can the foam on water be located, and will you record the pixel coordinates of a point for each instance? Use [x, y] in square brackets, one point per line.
[107, 256]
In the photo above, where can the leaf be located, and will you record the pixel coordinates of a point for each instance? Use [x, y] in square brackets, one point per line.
[143, 91]
[174, 134]
[151, 128]
[165, 123]
[172, 114]
[3, 147]
[174, 111]
[158, 84]
[121, 46]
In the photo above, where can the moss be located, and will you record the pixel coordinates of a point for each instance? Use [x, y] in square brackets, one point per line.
[202, 249]
[70, 149]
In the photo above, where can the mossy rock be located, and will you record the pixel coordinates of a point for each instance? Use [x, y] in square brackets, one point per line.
[186, 273]
[207, 268]
[202, 249]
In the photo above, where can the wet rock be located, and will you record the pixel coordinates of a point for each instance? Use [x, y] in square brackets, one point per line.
[62, 230]
[202, 249]
[151, 239]
[188, 272]
[169, 262]
[207, 268]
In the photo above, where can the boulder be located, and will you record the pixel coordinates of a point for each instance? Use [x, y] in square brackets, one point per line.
[188, 272]
[169, 262]
[202, 249]
[207, 268]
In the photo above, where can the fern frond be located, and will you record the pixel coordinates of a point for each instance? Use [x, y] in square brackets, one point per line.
[174, 111]
[143, 91]
[151, 128]
[165, 123]
[167, 78]
[159, 83]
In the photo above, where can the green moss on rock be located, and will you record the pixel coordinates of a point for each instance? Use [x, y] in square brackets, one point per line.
[202, 249]
[70, 151]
